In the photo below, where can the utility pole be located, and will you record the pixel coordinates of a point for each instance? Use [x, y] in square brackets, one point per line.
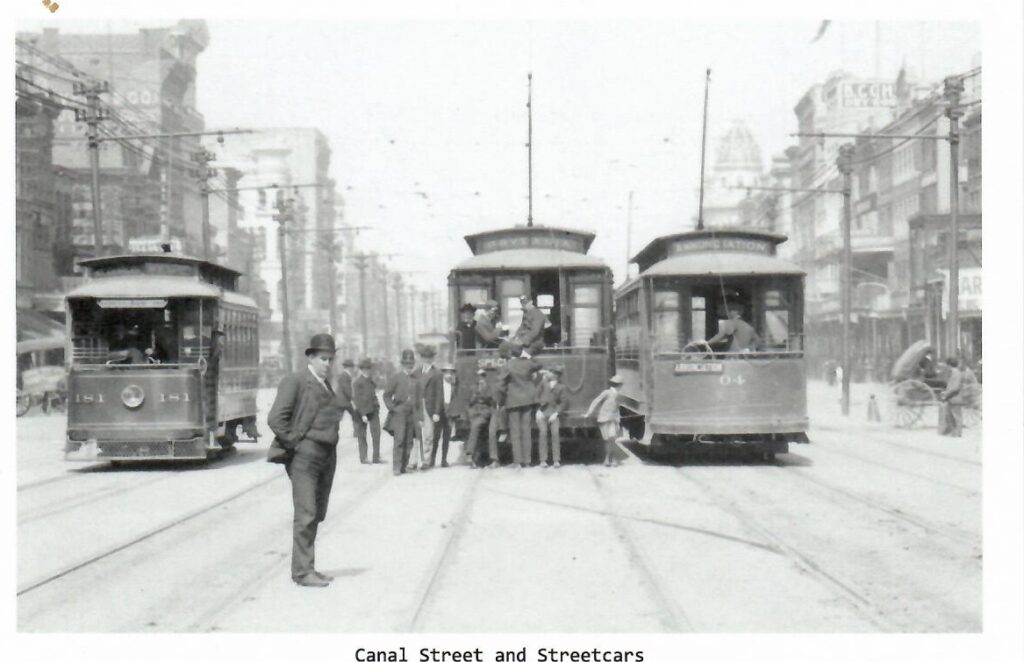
[204, 173]
[92, 117]
[284, 215]
[360, 262]
[845, 164]
[411, 299]
[387, 321]
[629, 232]
[954, 88]
[397, 284]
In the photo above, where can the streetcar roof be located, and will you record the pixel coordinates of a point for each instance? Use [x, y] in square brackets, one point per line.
[530, 236]
[167, 258]
[530, 258]
[723, 264]
[133, 287]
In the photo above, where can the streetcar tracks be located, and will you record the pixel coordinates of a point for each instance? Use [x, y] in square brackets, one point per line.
[86, 499]
[99, 556]
[208, 619]
[851, 596]
[948, 532]
[931, 479]
[671, 615]
[875, 439]
[454, 531]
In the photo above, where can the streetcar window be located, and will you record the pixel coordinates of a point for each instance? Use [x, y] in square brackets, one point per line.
[511, 309]
[666, 320]
[698, 318]
[586, 318]
[776, 327]
[475, 295]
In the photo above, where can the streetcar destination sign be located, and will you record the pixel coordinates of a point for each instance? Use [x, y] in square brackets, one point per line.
[132, 303]
[711, 244]
[697, 368]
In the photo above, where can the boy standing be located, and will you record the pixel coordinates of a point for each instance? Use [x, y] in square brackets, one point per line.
[606, 407]
[553, 403]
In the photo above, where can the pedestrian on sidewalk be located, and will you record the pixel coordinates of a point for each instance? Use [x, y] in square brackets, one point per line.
[481, 409]
[553, 403]
[343, 386]
[605, 408]
[304, 418]
[951, 414]
[518, 393]
[402, 398]
[366, 409]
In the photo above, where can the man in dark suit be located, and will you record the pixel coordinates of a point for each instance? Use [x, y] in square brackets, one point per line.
[343, 385]
[518, 394]
[530, 333]
[402, 398]
[366, 410]
[480, 409]
[433, 402]
[305, 417]
[465, 332]
[445, 413]
[487, 331]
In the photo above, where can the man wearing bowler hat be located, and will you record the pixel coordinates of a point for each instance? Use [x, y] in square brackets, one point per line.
[304, 419]
[366, 410]
[402, 398]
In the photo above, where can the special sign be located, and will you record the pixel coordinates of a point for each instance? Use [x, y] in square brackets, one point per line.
[712, 244]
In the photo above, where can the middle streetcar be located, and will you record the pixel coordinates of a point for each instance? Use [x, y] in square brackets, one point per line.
[573, 289]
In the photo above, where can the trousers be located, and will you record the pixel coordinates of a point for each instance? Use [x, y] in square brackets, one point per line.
[402, 430]
[441, 431]
[311, 471]
[481, 424]
[520, 433]
[373, 423]
[951, 419]
[546, 428]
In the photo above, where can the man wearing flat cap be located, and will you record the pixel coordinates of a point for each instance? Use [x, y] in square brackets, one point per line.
[487, 331]
[366, 410]
[304, 419]
[402, 398]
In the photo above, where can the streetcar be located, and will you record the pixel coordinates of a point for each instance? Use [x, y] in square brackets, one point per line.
[681, 390]
[163, 359]
[574, 289]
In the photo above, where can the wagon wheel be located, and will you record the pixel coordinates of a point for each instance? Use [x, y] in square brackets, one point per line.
[24, 403]
[912, 398]
[705, 350]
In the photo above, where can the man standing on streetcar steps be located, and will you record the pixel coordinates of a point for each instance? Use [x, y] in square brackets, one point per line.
[530, 334]
[366, 410]
[518, 393]
[305, 418]
[553, 403]
[343, 385]
[402, 398]
[741, 336]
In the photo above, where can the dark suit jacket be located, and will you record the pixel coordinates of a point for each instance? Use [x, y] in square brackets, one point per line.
[553, 400]
[433, 393]
[481, 401]
[532, 327]
[343, 387]
[486, 332]
[402, 397]
[295, 407]
[364, 396]
[518, 383]
[455, 405]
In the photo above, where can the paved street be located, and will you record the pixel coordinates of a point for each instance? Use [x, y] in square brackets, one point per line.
[868, 528]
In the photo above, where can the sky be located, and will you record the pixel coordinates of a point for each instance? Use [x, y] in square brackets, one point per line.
[439, 108]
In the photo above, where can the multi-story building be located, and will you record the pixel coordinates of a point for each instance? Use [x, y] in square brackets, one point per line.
[737, 164]
[146, 189]
[275, 166]
[897, 185]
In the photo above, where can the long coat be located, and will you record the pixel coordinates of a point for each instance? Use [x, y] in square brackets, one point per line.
[343, 387]
[364, 396]
[517, 383]
[531, 329]
[402, 398]
[298, 399]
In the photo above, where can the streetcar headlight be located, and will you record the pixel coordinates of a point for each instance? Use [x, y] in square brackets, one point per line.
[132, 396]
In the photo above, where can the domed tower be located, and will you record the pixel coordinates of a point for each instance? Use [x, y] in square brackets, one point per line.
[737, 163]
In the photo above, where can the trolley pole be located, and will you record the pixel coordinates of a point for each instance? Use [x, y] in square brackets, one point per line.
[529, 148]
[845, 164]
[203, 172]
[703, 145]
[954, 88]
[92, 117]
[360, 264]
[282, 216]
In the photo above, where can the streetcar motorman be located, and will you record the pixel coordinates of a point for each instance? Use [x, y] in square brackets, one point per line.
[305, 417]
[741, 336]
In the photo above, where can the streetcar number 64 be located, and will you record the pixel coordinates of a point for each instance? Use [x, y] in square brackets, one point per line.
[729, 380]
